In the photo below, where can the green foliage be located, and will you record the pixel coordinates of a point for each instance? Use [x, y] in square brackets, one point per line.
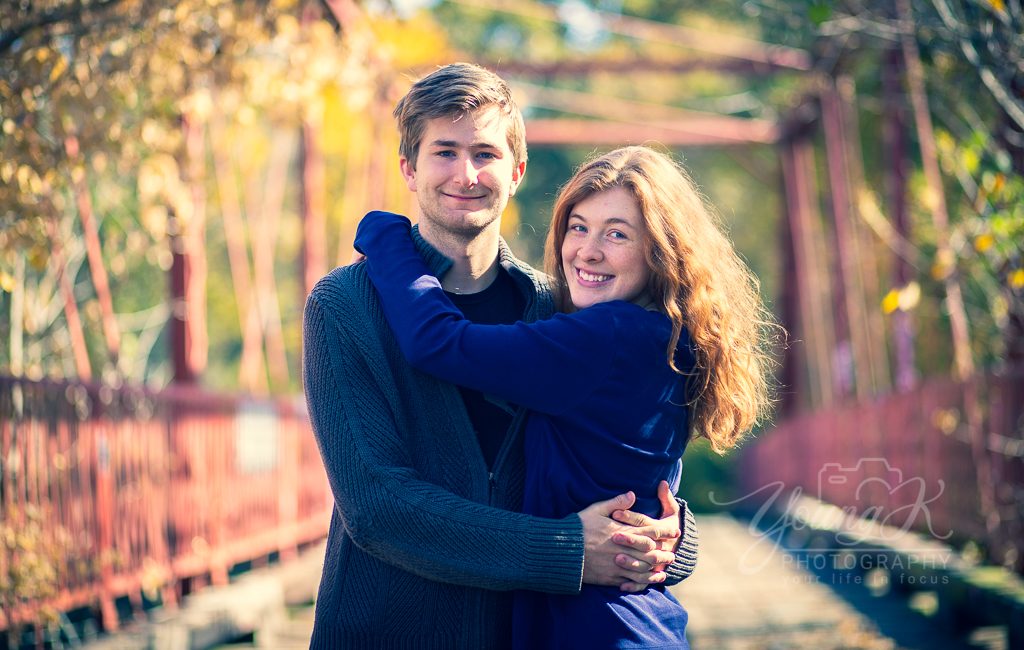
[92, 97]
[818, 13]
[116, 77]
[709, 480]
[33, 549]
[971, 53]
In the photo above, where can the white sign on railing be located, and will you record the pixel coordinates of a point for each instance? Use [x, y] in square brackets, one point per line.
[257, 438]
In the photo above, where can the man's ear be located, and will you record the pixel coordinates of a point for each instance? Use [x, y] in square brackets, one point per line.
[408, 172]
[517, 177]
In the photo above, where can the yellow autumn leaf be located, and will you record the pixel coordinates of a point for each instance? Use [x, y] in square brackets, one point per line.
[1017, 279]
[970, 160]
[118, 47]
[38, 257]
[6, 281]
[998, 5]
[998, 184]
[929, 198]
[24, 175]
[909, 296]
[58, 69]
[943, 266]
[891, 301]
[1000, 310]
[984, 242]
[287, 26]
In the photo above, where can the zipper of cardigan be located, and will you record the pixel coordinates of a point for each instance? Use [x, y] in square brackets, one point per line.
[511, 436]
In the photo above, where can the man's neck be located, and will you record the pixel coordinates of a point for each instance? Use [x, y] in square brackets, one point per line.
[474, 259]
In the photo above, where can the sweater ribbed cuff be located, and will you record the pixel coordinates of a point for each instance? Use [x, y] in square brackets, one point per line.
[686, 554]
[554, 556]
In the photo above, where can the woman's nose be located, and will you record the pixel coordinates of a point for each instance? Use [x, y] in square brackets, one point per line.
[590, 249]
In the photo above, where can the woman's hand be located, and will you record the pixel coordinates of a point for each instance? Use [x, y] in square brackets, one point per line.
[647, 536]
[634, 553]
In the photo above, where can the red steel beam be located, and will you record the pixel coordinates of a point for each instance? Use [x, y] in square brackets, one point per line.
[583, 67]
[699, 40]
[720, 131]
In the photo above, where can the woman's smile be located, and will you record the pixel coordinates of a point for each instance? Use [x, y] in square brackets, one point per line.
[604, 251]
[591, 278]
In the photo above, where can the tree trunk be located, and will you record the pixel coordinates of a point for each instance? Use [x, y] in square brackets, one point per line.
[94, 253]
[78, 347]
[314, 220]
[251, 374]
[936, 198]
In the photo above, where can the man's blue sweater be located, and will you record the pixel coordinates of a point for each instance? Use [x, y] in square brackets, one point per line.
[607, 415]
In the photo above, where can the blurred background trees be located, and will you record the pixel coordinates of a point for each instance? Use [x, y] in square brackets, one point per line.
[162, 166]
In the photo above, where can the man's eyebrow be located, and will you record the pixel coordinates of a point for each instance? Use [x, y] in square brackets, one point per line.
[474, 145]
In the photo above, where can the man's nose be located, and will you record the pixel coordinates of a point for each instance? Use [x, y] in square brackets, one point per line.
[467, 173]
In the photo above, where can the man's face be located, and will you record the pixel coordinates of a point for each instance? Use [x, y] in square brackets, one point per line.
[464, 172]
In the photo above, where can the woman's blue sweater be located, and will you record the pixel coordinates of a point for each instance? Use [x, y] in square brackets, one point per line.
[607, 415]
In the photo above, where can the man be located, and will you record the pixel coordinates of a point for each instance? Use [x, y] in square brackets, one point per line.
[425, 544]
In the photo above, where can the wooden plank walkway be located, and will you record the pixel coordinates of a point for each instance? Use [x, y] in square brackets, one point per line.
[746, 594]
[749, 594]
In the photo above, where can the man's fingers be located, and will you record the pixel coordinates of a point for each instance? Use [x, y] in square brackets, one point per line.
[643, 549]
[627, 562]
[640, 543]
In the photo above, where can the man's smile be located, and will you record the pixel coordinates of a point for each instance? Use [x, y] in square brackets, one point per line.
[463, 197]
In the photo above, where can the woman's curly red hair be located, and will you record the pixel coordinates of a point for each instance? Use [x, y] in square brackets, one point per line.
[697, 279]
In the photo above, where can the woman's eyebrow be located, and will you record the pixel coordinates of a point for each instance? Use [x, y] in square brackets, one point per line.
[619, 220]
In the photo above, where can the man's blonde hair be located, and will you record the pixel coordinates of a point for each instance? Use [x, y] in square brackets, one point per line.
[454, 90]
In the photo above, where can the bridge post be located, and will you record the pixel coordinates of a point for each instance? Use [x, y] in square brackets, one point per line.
[894, 142]
[188, 265]
[846, 356]
[807, 320]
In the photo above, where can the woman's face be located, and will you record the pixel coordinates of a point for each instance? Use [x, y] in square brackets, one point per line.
[603, 253]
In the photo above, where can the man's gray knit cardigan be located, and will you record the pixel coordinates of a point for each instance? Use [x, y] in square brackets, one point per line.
[424, 544]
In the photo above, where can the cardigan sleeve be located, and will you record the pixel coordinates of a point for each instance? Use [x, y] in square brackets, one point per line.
[389, 511]
[550, 365]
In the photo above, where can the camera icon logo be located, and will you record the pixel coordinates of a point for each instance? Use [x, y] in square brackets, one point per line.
[834, 477]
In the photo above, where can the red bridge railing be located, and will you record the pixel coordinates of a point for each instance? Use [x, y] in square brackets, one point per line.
[107, 493]
[945, 458]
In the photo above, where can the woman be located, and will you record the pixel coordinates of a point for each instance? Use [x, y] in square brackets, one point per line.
[661, 335]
